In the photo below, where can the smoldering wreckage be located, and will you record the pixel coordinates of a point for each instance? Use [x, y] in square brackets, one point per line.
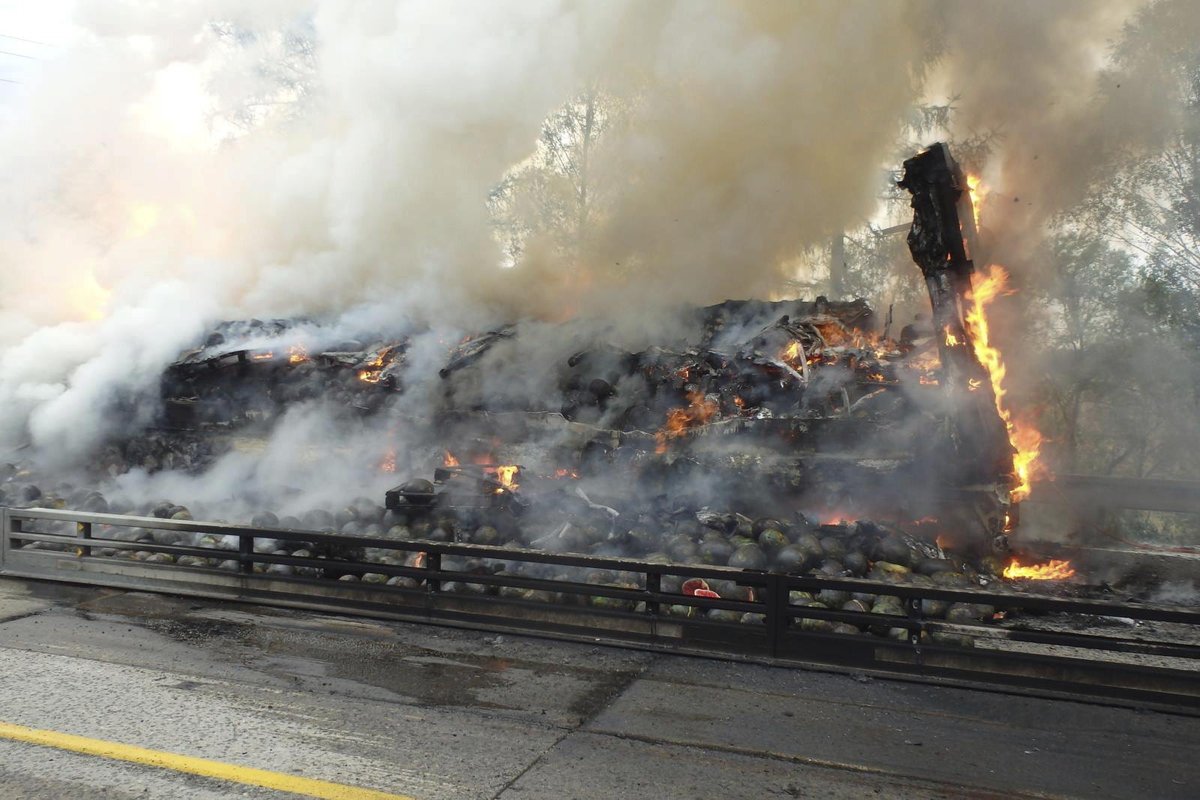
[796, 437]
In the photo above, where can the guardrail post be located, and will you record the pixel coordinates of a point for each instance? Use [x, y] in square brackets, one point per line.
[246, 553]
[84, 531]
[653, 584]
[777, 617]
[433, 561]
[912, 608]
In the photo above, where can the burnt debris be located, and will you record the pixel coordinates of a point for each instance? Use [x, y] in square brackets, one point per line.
[558, 437]
[761, 407]
[247, 372]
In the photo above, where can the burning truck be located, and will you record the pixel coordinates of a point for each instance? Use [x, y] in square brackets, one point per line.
[767, 406]
[798, 436]
[795, 479]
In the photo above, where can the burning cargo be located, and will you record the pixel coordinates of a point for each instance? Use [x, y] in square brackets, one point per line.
[776, 468]
[764, 408]
[731, 439]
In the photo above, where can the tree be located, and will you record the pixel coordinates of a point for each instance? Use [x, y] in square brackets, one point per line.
[552, 195]
[283, 65]
[1082, 285]
[1148, 197]
[1125, 282]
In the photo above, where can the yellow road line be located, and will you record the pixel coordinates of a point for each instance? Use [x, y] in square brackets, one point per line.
[195, 766]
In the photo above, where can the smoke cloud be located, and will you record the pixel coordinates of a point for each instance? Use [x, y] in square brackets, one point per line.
[186, 164]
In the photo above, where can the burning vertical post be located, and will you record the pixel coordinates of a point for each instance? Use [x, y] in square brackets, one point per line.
[941, 240]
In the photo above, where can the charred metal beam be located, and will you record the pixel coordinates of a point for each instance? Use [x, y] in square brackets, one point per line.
[1106, 491]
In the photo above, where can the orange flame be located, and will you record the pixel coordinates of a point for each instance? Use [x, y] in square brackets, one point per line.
[449, 460]
[507, 475]
[699, 411]
[1026, 441]
[951, 339]
[1053, 570]
[389, 461]
[297, 354]
[262, 356]
[373, 371]
[978, 193]
[926, 361]
[837, 335]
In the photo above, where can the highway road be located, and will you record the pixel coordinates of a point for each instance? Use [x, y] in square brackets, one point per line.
[112, 694]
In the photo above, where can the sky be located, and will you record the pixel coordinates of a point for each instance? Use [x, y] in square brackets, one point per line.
[31, 31]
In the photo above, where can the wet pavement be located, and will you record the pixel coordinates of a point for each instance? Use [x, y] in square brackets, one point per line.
[429, 712]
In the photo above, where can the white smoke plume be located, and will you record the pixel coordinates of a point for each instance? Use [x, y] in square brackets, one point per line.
[753, 130]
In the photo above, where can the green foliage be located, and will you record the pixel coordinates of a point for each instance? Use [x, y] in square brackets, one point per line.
[1118, 386]
[552, 196]
[1119, 288]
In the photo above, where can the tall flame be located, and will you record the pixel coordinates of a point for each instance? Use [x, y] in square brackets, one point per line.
[977, 192]
[1026, 441]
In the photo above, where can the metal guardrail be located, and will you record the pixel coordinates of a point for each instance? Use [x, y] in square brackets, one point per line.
[619, 601]
[1107, 492]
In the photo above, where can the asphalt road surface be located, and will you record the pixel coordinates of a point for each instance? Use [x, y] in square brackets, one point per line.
[114, 694]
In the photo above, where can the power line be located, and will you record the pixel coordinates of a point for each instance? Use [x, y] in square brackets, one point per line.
[9, 80]
[23, 39]
[18, 55]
